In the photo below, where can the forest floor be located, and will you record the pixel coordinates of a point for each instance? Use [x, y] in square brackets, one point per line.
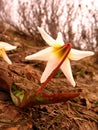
[80, 113]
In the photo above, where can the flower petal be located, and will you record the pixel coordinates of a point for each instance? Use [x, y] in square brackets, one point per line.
[66, 69]
[4, 56]
[41, 55]
[49, 40]
[7, 46]
[77, 54]
[59, 39]
[51, 65]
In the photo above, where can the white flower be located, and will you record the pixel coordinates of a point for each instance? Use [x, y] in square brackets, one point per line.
[3, 48]
[55, 54]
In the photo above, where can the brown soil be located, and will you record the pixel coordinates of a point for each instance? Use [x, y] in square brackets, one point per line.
[80, 113]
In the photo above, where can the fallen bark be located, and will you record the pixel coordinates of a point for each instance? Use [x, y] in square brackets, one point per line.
[24, 92]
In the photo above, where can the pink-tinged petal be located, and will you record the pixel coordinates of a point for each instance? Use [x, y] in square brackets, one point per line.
[66, 69]
[7, 46]
[59, 39]
[48, 39]
[64, 51]
[51, 65]
[77, 54]
[41, 55]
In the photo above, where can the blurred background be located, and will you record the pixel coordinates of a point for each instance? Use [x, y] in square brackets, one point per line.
[76, 19]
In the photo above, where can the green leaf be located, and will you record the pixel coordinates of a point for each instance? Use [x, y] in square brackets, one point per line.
[17, 95]
[38, 98]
